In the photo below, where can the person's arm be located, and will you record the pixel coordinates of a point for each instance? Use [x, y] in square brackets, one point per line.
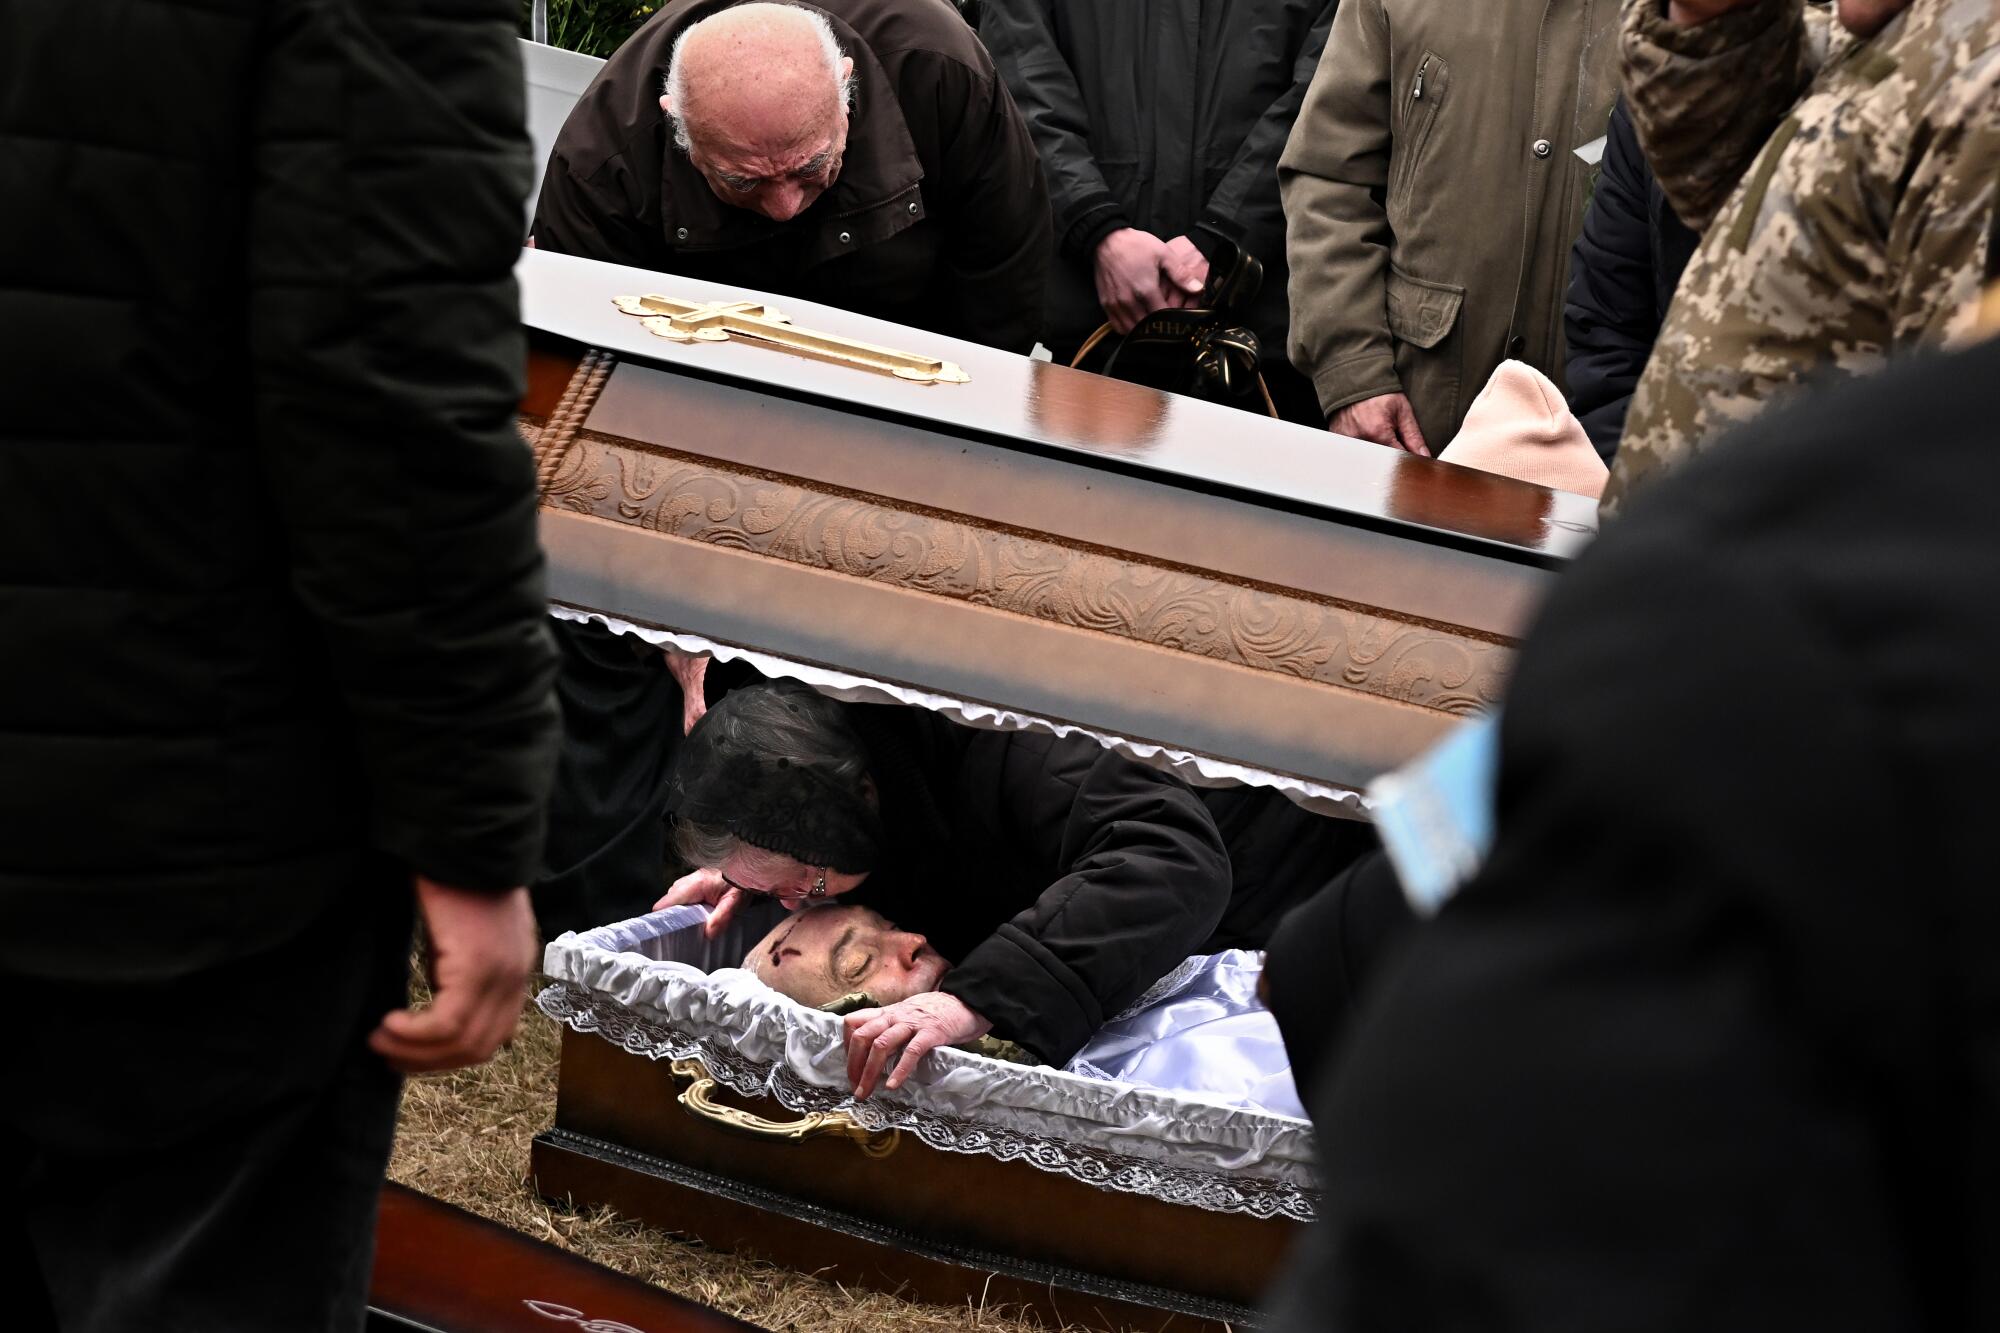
[1322, 954]
[1021, 36]
[1939, 261]
[386, 370]
[993, 203]
[1141, 879]
[1705, 95]
[1609, 314]
[1332, 177]
[601, 214]
[1252, 172]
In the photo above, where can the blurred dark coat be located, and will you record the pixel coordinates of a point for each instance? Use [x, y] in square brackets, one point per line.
[1166, 115]
[271, 591]
[1622, 274]
[271, 621]
[938, 219]
[1713, 1040]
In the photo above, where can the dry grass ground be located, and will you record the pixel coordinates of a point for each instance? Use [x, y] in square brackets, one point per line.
[464, 1138]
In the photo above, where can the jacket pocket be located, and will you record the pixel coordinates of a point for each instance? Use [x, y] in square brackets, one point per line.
[1423, 319]
[1422, 100]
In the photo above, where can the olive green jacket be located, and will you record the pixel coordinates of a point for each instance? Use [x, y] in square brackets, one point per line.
[1432, 190]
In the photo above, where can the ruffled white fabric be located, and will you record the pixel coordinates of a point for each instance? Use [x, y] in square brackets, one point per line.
[1195, 769]
[1200, 1032]
[618, 981]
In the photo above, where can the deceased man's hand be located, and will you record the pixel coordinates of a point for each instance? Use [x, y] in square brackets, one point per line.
[913, 1028]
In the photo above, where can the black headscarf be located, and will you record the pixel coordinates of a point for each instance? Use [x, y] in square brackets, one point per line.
[813, 809]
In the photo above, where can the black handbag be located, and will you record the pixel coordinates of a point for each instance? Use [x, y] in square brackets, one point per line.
[1202, 351]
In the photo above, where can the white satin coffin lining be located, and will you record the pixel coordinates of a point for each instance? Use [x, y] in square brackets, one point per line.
[1197, 770]
[1111, 1135]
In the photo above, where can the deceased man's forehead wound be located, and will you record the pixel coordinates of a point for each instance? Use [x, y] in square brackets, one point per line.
[778, 950]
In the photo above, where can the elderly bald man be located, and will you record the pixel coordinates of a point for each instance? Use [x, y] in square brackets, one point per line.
[862, 153]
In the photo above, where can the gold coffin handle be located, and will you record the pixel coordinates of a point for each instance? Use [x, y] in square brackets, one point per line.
[698, 1098]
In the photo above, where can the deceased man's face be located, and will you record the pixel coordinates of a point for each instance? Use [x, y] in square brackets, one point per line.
[819, 955]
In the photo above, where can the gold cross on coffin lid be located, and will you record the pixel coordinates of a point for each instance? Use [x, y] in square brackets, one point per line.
[714, 321]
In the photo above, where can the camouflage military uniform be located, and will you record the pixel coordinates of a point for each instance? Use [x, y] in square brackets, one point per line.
[1838, 227]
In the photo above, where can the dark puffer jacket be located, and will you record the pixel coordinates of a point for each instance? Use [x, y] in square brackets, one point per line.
[1166, 115]
[271, 595]
[1622, 274]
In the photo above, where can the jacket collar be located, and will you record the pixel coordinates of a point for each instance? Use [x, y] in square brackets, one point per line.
[876, 195]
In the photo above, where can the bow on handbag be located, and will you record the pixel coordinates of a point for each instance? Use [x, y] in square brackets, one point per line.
[1200, 351]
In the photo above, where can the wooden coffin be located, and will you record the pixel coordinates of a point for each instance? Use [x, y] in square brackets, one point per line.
[1182, 577]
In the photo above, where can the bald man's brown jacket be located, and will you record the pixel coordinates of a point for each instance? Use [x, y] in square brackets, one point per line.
[939, 218]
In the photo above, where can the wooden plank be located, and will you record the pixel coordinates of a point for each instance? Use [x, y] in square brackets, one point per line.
[442, 1269]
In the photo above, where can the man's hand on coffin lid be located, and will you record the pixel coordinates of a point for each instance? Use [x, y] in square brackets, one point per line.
[1387, 419]
[912, 1029]
[690, 672]
[482, 946]
[708, 888]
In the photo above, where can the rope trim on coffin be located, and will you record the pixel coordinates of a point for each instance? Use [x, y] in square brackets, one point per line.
[584, 1011]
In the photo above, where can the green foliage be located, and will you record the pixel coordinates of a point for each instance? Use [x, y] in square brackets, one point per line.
[594, 27]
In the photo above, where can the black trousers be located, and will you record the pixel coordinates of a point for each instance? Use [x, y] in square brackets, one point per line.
[205, 1152]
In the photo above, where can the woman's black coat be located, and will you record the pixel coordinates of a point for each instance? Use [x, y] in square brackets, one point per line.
[1064, 879]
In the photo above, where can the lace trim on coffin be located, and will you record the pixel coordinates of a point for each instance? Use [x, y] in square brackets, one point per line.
[586, 1012]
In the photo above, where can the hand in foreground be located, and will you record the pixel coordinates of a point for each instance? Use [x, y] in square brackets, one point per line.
[1187, 270]
[1388, 419]
[1688, 13]
[912, 1028]
[482, 946]
[706, 887]
[1131, 277]
[690, 671]
[1865, 18]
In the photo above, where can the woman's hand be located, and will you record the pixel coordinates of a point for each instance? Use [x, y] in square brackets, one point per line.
[705, 887]
[912, 1028]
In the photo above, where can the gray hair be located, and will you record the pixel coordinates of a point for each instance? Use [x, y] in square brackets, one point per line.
[675, 83]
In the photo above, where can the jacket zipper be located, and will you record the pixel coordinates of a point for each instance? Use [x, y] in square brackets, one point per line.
[1414, 134]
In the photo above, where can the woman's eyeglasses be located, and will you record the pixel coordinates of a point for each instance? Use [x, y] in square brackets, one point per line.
[818, 890]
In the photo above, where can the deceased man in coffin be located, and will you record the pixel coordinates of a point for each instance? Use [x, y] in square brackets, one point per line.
[1200, 1030]
[1062, 879]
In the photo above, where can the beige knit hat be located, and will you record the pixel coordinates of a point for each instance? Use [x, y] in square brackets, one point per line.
[1520, 427]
